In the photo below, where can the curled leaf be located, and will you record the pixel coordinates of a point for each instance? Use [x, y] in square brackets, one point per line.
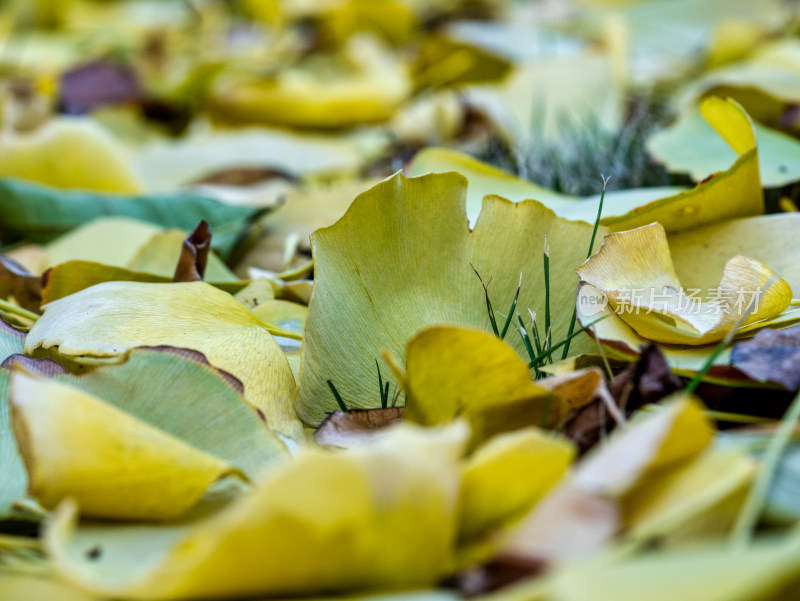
[18, 282]
[109, 319]
[459, 372]
[506, 476]
[584, 513]
[735, 192]
[326, 522]
[194, 255]
[634, 272]
[112, 464]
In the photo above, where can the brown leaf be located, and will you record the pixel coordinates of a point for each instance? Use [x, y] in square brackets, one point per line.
[647, 380]
[18, 282]
[246, 176]
[194, 255]
[644, 381]
[771, 356]
[98, 83]
[346, 429]
[494, 575]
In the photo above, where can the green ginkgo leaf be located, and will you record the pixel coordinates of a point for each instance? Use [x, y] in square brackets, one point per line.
[399, 260]
[41, 214]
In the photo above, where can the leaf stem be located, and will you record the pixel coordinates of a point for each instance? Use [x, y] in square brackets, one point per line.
[13, 309]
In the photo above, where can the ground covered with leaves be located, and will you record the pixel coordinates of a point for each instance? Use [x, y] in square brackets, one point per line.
[399, 299]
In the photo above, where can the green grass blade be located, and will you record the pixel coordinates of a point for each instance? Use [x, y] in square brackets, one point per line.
[511, 311]
[489, 308]
[384, 397]
[546, 260]
[589, 254]
[337, 396]
[535, 331]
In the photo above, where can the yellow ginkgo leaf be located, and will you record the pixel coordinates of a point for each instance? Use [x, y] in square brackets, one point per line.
[368, 89]
[634, 272]
[505, 477]
[112, 240]
[108, 319]
[159, 255]
[132, 244]
[113, 465]
[735, 192]
[703, 499]
[766, 83]
[583, 514]
[691, 145]
[69, 153]
[700, 256]
[767, 571]
[382, 516]
[418, 226]
[304, 210]
[21, 587]
[459, 372]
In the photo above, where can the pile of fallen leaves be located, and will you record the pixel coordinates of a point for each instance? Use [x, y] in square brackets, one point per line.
[398, 299]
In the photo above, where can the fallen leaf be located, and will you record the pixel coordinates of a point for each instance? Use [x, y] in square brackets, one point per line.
[115, 239]
[766, 83]
[712, 572]
[507, 476]
[735, 192]
[771, 356]
[206, 407]
[167, 165]
[96, 83]
[41, 214]
[18, 282]
[69, 153]
[634, 272]
[692, 146]
[699, 502]
[459, 372]
[370, 90]
[194, 255]
[359, 309]
[106, 320]
[326, 522]
[113, 465]
[584, 513]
